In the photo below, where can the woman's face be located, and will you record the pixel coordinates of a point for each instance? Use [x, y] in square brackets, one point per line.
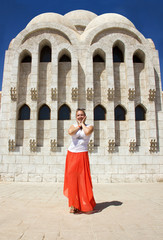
[80, 116]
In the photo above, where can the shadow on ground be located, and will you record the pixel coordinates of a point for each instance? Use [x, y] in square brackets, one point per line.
[101, 206]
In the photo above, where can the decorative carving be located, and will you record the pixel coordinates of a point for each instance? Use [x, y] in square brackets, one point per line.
[152, 94]
[53, 145]
[74, 93]
[132, 146]
[131, 94]
[54, 94]
[110, 93]
[33, 145]
[13, 93]
[90, 93]
[111, 145]
[33, 94]
[11, 145]
[91, 146]
[153, 145]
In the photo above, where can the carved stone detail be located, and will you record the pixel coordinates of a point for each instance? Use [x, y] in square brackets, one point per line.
[74, 94]
[152, 94]
[111, 93]
[111, 145]
[54, 94]
[132, 146]
[13, 93]
[33, 145]
[33, 94]
[11, 145]
[90, 94]
[131, 94]
[91, 146]
[53, 144]
[153, 145]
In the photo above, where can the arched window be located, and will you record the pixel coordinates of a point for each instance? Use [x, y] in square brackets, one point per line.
[44, 113]
[99, 113]
[45, 55]
[24, 113]
[65, 58]
[138, 56]
[117, 55]
[120, 113]
[139, 113]
[136, 59]
[26, 59]
[64, 113]
[98, 58]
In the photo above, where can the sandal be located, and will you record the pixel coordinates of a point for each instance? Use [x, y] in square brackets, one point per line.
[72, 209]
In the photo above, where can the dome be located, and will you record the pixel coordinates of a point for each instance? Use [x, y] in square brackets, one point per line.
[80, 17]
[109, 18]
[51, 18]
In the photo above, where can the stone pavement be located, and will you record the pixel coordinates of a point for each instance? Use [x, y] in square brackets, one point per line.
[39, 211]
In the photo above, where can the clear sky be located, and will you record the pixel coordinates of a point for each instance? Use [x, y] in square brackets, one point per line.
[146, 15]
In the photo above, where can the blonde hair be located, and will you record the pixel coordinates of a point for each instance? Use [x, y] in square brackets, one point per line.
[81, 109]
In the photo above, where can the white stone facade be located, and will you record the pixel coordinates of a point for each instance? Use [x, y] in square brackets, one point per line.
[119, 150]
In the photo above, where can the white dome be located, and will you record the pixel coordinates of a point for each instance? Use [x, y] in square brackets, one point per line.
[51, 18]
[80, 17]
[109, 18]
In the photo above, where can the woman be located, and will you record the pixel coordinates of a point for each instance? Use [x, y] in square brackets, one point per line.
[77, 181]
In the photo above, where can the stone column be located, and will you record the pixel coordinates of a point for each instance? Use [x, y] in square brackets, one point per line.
[13, 100]
[54, 101]
[131, 99]
[110, 99]
[34, 96]
[89, 91]
[151, 97]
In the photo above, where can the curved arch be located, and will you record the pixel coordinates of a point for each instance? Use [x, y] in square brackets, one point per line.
[99, 113]
[25, 56]
[139, 56]
[44, 112]
[118, 51]
[64, 112]
[45, 51]
[140, 113]
[99, 55]
[64, 56]
[90, 35]
[24, 112]
[25, 34]
[120, 113]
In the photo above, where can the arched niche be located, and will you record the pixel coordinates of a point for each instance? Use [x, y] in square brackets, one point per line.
[99, 113]
[64, 112]
[140, 113]
[138, 56]
[64, 75]
[118, 52]
[45, 54]
[24, 113]
[139, 74]
[99, 74]
[44, 112]
[120, 113]
[24, 75]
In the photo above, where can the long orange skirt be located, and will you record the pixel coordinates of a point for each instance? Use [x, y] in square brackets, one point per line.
[77, 182]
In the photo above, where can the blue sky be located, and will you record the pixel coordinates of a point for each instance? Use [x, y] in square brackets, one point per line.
[146, 15]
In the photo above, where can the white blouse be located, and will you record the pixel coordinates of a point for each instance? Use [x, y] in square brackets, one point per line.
[79, 141]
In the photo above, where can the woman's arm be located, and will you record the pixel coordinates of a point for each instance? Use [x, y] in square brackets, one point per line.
[87, 130]
[72, 130]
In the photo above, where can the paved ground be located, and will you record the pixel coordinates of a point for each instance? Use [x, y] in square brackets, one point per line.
[38, 211]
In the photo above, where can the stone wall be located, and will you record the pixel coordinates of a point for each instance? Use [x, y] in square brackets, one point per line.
[120, 151]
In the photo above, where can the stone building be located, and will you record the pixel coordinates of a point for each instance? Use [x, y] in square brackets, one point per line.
[100, 63]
